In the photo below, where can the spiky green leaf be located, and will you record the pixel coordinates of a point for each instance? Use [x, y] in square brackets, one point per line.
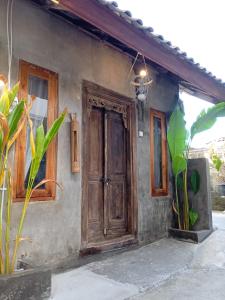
[13, 93]
[53, 130]
[14, 117]
[39, 145]
[4, 103]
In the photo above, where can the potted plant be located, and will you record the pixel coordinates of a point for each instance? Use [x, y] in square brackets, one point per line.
[187, 180]
[13, 117]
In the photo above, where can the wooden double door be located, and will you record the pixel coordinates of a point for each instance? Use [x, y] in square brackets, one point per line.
[107, 175]
[107, 210]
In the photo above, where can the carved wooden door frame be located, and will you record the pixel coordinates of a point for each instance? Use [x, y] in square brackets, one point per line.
[97, 96]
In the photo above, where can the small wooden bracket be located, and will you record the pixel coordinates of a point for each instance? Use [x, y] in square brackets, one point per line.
[74, 129]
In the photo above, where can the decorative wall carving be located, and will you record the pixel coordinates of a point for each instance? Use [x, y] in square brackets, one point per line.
[108, 105]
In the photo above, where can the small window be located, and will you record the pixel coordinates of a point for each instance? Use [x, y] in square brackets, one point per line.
[158, 148]
[41, 83]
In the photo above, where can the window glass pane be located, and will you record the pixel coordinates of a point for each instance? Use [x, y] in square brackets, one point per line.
[157, 153]
[37, 87]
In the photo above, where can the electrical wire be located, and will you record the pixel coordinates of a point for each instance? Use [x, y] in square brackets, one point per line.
[9, 19]
[133, 64]
[9, 29]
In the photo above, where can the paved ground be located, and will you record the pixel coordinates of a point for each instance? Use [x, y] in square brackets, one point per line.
[165, 270]
[219, 220]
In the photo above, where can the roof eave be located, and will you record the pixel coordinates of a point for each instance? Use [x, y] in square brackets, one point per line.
[112, 24]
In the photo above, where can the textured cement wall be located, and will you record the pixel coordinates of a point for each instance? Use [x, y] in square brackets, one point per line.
[154, 212]
[44, 40]
[201, 201]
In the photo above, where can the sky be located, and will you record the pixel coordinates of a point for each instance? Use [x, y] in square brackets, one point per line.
[196, 27]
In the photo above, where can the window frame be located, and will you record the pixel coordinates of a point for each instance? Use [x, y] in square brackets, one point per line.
[164, 190]
[49, 193]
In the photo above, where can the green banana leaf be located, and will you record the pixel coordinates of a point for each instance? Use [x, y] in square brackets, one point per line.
[193, 217]
[177, 134]
[179, 164]
[207, 118]
[14, 117]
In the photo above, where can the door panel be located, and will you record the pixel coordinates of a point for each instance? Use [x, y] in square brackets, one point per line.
[107, 210]
[95, 173]
[116, 174]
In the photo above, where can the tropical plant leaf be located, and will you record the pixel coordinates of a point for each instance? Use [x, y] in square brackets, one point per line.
[193, 217]
[53, 130]
[39, 145]
[44, 181]
[177, 133]
[40, 136]
[179, 164]
[207, 118]
[195, 181]
[16, 134]
[32, 143]
[5, 129]
[14, 117]
[4, 103]
[217, 162]
[12, 94]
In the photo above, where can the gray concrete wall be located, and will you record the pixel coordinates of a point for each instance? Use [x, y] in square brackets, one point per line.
[154, 212]
[201, 201]
[44, 40]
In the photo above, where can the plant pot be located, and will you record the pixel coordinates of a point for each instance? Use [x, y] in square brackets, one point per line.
[33, 284]
[190, 236]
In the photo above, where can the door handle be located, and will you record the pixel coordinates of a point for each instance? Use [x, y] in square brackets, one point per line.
[107, 181]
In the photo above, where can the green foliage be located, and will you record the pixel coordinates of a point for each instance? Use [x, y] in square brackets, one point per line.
[193, 216]
[195, 181]
[179, 164]
[42, 143]
[207, 118]
[12, 121]
[5, 103]
[217, 162]
[13, 93]
[53, 130]
[177, 134]
[179, 140]
[14, 117]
